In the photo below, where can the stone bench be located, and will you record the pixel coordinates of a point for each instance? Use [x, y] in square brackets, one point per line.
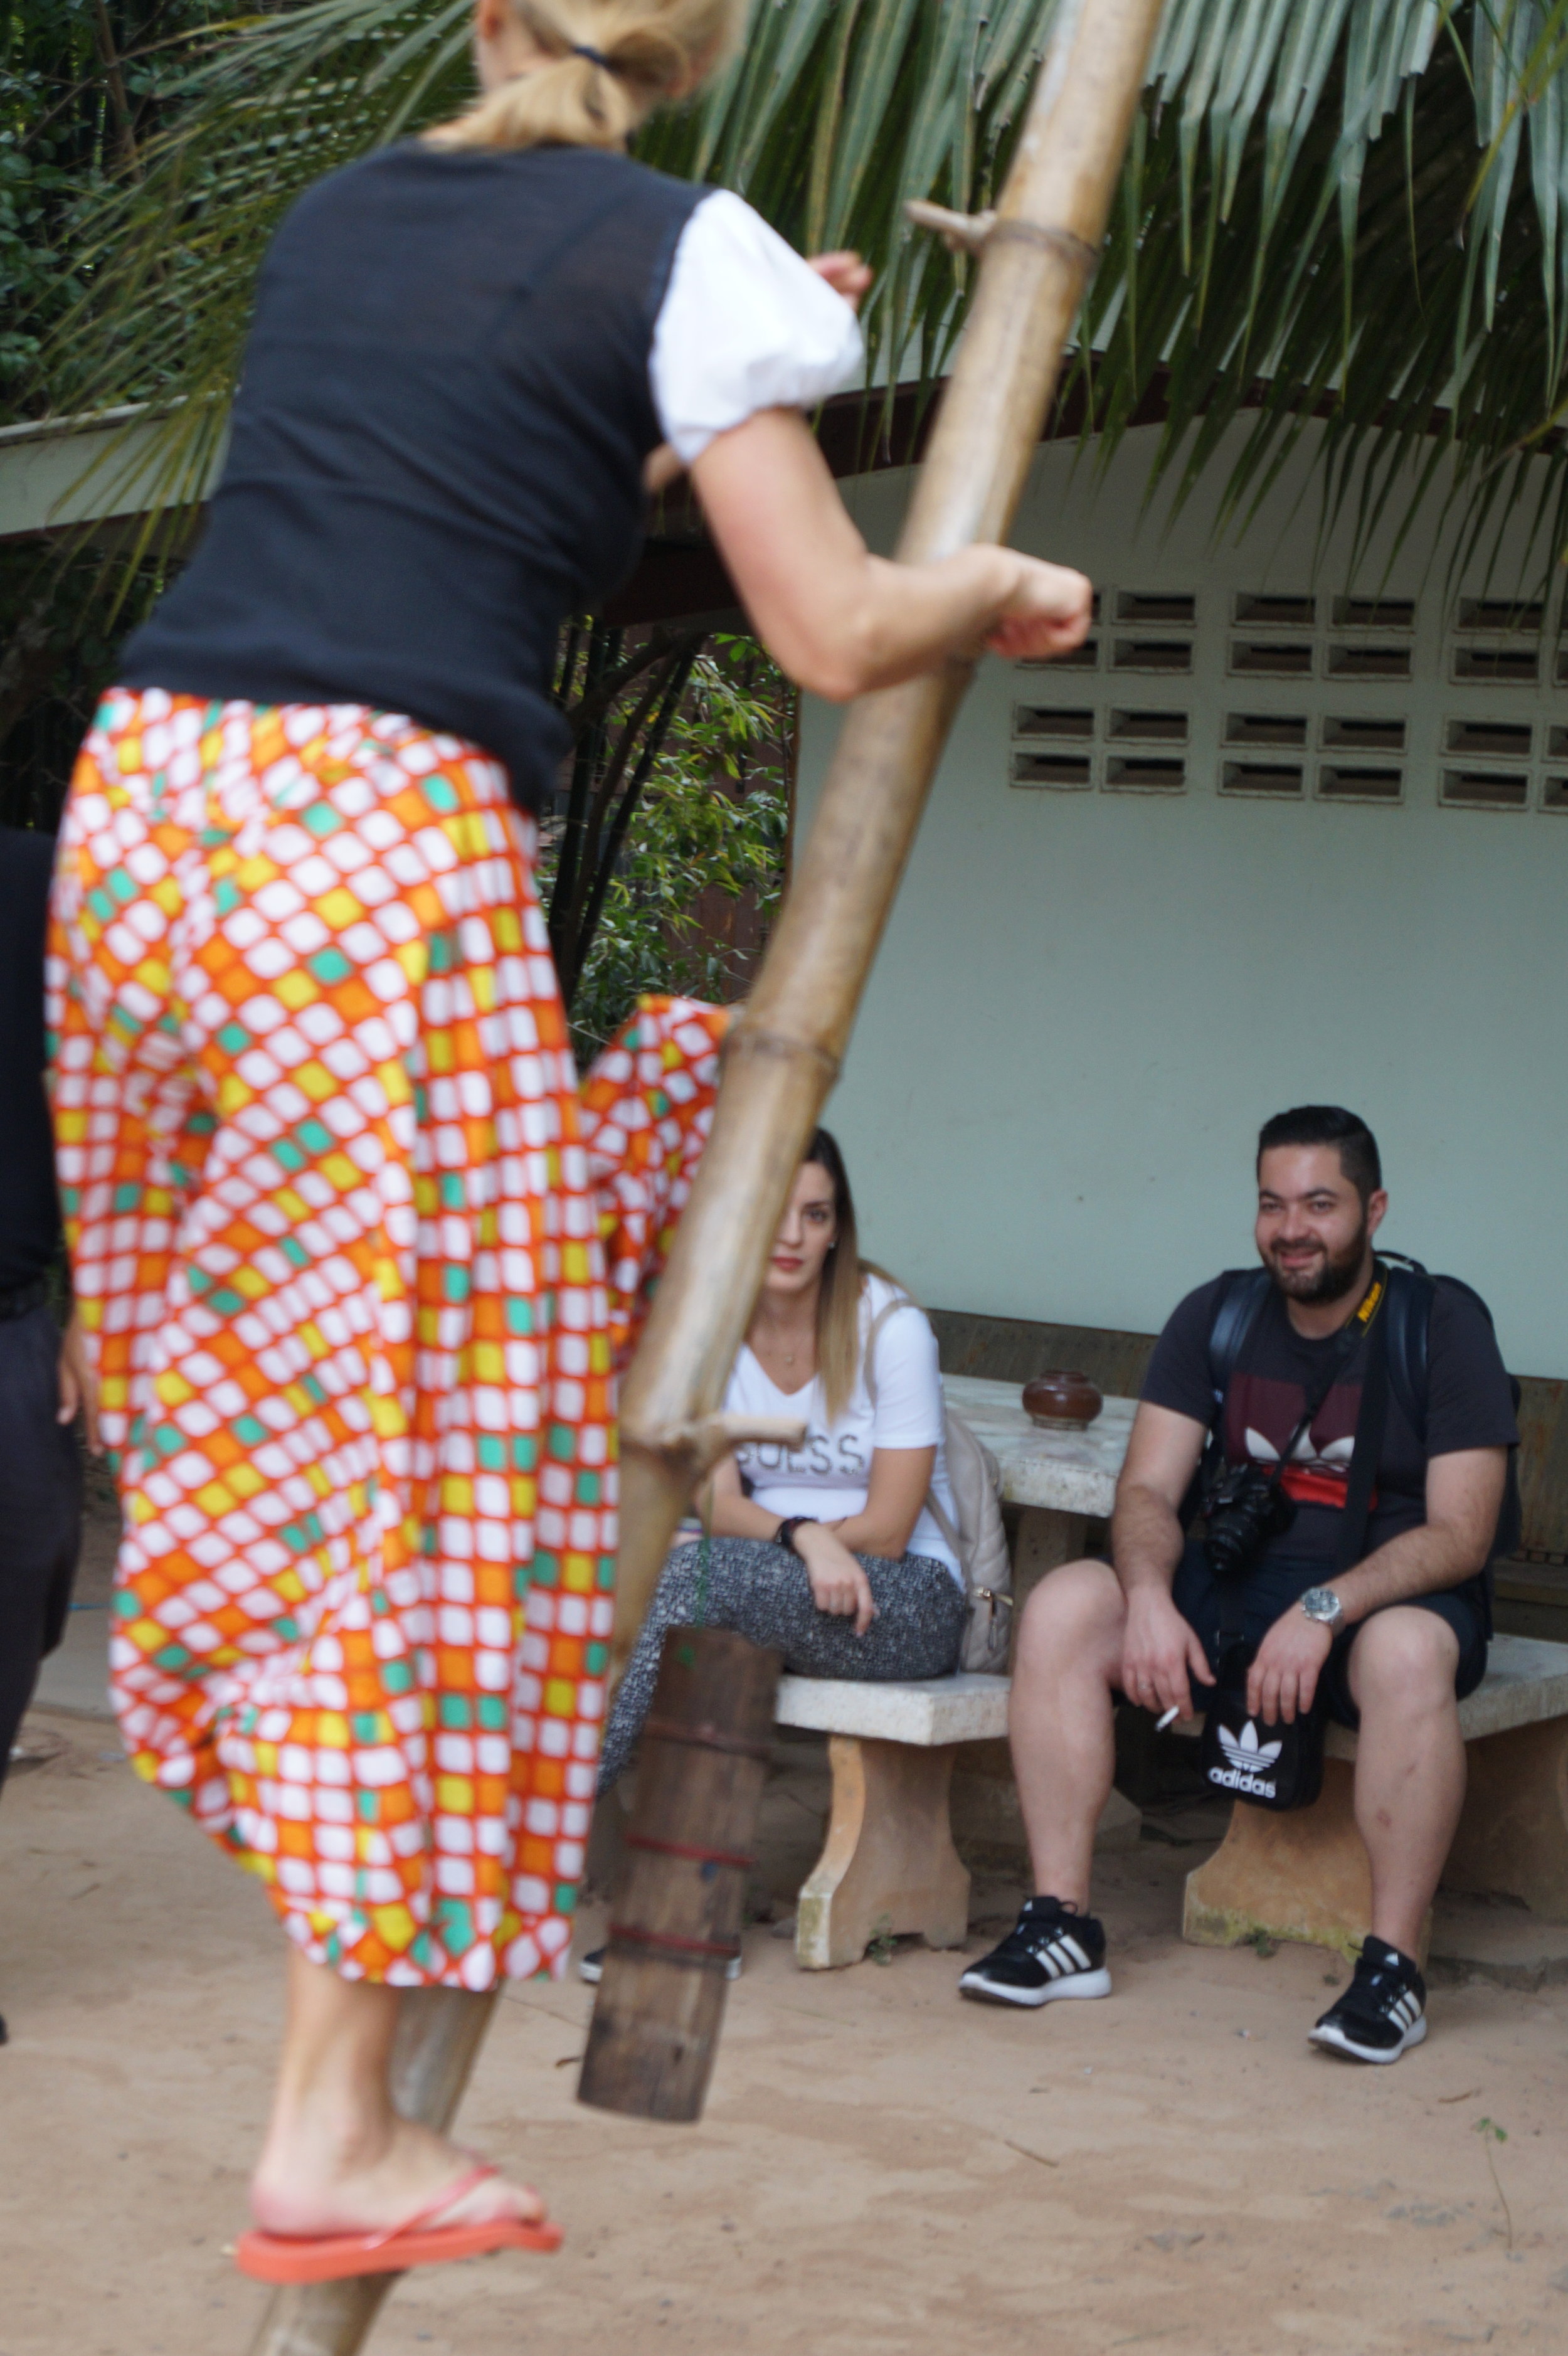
[1304, 1875]
[888, 1866]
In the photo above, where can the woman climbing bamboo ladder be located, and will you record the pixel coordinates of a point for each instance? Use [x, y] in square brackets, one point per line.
[332, 1230]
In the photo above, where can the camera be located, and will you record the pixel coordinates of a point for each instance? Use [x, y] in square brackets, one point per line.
[1247, 1509]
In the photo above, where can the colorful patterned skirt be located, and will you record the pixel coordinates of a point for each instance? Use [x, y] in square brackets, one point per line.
[339, 1228]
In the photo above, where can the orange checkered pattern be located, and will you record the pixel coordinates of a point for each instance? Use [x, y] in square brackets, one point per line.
[647, 1109]
[336, 1250]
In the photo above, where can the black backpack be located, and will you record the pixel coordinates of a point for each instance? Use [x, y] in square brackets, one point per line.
[1408, 1310]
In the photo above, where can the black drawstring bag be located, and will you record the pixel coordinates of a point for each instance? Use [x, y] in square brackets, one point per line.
[1264, 1761]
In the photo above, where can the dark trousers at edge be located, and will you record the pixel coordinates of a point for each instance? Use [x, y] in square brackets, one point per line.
[40, 1512]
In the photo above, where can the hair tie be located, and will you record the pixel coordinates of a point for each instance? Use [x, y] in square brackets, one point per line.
[594, 56]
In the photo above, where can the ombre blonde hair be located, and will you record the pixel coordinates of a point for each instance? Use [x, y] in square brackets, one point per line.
[844, 1275]
[654, 50]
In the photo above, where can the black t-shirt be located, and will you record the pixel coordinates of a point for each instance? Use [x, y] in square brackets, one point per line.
[29, 1212]
[437, 443]
[1469, 1405]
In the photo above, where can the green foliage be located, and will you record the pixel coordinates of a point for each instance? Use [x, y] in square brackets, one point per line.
[713, 817]
[84, 87]
[1349, 210]
[1354, 207]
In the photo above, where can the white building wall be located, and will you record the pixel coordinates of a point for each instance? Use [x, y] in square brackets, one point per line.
[1088, 999]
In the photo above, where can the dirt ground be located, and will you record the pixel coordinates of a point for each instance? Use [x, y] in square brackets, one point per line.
[881, 2168]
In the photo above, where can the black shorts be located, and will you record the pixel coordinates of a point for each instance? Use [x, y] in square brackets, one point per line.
[1281, 1582]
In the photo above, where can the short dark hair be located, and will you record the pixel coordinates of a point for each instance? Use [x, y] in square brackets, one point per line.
[1329, 1125]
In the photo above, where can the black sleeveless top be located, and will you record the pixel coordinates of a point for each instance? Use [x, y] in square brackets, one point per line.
[438, 444]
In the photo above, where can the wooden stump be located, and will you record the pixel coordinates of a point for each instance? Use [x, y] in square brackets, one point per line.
[680, 1904]
[888, 1866]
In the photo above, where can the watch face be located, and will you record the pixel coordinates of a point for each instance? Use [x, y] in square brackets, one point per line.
[1321, 1603]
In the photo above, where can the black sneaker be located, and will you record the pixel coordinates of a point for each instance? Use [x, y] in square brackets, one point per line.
[591, 1968]
[1049, 1952]
[1382, 2012]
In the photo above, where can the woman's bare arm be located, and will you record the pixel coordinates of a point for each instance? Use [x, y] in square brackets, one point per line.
[839, 620]
[901, 1480]
[733, 1513]
[838, 1583]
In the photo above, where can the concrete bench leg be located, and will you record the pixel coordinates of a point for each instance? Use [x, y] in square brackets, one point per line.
[1302, 1875]
[889, 1864]
[1512, 1840]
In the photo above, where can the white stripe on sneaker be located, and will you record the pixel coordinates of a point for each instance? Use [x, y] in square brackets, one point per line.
[1062, 1956]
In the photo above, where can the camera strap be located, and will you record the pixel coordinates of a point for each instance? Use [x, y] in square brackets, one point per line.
[1364, 1455]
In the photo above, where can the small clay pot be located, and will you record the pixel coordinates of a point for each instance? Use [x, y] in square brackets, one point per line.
[1059, 1400]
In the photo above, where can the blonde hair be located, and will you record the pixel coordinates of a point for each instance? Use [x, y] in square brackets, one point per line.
[652, 49]
[843, 1277]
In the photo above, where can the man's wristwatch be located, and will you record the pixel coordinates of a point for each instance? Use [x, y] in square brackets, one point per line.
[1321, 1603]
[785, 1535]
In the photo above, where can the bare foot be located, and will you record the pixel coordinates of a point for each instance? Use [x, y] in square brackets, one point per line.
[310, 2182]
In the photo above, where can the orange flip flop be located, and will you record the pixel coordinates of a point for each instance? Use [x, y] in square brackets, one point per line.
[333, 2257]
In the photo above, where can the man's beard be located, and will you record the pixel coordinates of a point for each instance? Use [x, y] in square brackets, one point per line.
[1330, 1278]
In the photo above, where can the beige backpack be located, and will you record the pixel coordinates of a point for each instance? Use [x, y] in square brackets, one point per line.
[973, 1531]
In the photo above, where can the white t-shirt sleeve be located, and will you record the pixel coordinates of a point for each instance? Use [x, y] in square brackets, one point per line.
[909, 1411]
[744, 325]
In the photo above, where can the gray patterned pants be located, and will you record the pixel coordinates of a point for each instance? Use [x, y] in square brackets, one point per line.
[761, 1591]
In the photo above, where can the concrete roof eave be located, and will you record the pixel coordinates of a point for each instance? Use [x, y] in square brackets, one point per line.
[62, 472]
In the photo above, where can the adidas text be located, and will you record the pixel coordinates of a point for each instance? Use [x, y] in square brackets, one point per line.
[1233, 1779]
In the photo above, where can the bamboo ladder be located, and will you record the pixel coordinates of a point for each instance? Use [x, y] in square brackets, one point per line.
[783, 1053]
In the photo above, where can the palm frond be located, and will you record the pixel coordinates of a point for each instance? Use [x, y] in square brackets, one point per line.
[1348, 210]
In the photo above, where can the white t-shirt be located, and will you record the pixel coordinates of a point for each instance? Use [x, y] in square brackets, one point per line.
[744, 325]
[830, 1476]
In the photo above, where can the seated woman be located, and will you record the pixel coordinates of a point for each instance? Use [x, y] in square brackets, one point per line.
[831, 1551]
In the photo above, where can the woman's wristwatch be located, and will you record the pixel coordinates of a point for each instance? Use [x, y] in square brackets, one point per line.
[784, 1534]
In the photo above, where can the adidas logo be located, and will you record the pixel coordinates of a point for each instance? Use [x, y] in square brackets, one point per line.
[1249, 1762]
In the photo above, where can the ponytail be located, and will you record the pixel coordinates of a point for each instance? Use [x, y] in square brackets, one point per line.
[606, 65]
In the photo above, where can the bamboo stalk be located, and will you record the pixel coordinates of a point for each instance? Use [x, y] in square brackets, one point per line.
[439, 2034]
[784, 1053]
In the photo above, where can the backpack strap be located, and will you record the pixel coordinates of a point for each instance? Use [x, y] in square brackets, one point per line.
[931, 1503]
[1351, 1537]
[1244, 1290]
[1412, 1295]
[1408, 1315]
[873, 1333]
[950, 1531]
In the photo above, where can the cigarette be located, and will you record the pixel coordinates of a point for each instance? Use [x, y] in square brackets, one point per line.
[1171, 1715]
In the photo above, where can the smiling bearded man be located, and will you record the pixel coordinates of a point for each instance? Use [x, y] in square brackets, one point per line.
[1373, 1606]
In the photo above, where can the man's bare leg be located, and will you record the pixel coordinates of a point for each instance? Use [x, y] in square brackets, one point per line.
[337, 2158]
[1069, 1658]
[1060, 1720]
[1410, 1762]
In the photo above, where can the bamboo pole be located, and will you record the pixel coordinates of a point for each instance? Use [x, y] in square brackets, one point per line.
[439, 2034]
[784, 1052]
